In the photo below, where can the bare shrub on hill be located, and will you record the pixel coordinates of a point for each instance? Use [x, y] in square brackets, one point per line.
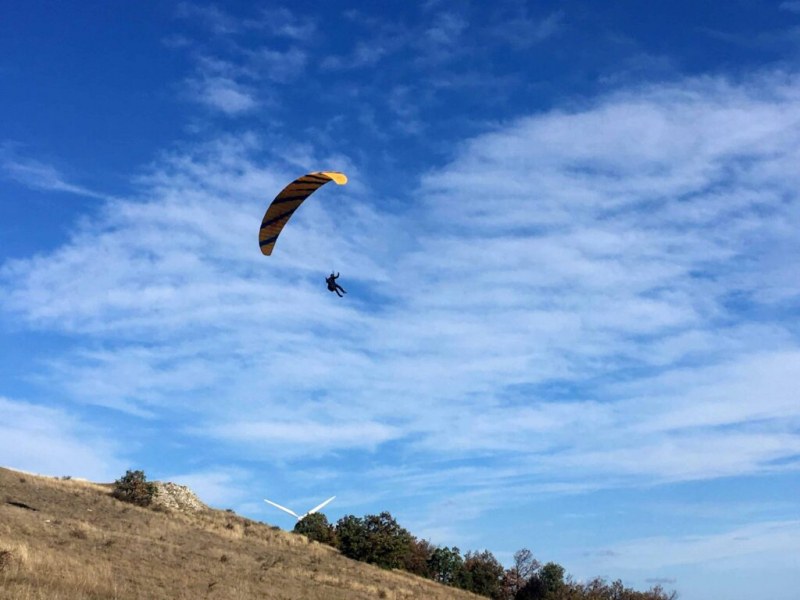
[133, 487]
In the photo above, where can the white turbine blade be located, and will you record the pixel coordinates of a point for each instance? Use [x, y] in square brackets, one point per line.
[283, 508]
[316, 508]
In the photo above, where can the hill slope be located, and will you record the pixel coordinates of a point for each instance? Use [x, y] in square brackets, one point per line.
[70, 540]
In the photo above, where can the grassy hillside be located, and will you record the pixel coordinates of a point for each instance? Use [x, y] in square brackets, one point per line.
[70, 540]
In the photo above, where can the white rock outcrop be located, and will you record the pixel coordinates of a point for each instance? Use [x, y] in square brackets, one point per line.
[177, 497]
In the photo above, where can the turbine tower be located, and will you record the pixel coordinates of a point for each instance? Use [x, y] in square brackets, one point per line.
[294, 514]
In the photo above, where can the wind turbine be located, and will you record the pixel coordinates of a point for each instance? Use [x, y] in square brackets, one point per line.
[294, 514]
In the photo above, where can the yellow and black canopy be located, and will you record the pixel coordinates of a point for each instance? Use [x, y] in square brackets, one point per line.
[288, 201]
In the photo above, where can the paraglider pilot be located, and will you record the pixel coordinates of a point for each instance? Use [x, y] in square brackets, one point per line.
[333, 286]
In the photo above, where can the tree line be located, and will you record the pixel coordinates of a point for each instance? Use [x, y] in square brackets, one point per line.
[380, 540]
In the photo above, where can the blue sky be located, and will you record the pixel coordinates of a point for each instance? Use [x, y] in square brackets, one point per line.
[569, 241]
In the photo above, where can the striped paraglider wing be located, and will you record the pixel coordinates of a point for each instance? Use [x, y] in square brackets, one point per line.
[288, 201]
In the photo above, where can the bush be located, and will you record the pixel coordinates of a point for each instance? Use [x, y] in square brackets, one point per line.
[418, 558]
[316, 527]
[135, 488]
[351, 537]
[446, 566]
[377, 539]
[484, 573]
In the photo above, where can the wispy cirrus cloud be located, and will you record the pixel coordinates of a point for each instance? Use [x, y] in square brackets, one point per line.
[221, 487]
[513, 24]
[278, 21]
[679, 561]
[363, 55]
[223, 94]
[790, 6]
[778, 539]
[40, 176]
[279, 66]
[384, 39]
[321, 435]
[283, 22]
[211, 16]
[232, 78]
[433, 42]
[442, 37]
[72, 447]
[592, 297]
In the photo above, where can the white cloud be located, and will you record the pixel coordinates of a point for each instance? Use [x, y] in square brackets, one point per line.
[280, 66]
[778, 539]
[279, 22]
[223, 94]
[363, 55]
[436, 40]
[790, 5]
[445, 30]
[713, 563]
[284, 23]
[220, 488]
[53, 442]
[40, 176]
[615, 254]
[211, 16]
[235, 77]
[318, 436]
[515, 26]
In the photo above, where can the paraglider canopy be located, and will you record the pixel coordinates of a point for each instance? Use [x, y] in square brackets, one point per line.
[288, 201]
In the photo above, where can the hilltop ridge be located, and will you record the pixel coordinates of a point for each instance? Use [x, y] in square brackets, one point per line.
[70, 539]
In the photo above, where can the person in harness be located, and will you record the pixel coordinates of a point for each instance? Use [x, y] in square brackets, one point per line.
[333, 286]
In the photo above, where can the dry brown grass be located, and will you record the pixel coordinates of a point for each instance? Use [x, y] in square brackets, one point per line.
[80, 543]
